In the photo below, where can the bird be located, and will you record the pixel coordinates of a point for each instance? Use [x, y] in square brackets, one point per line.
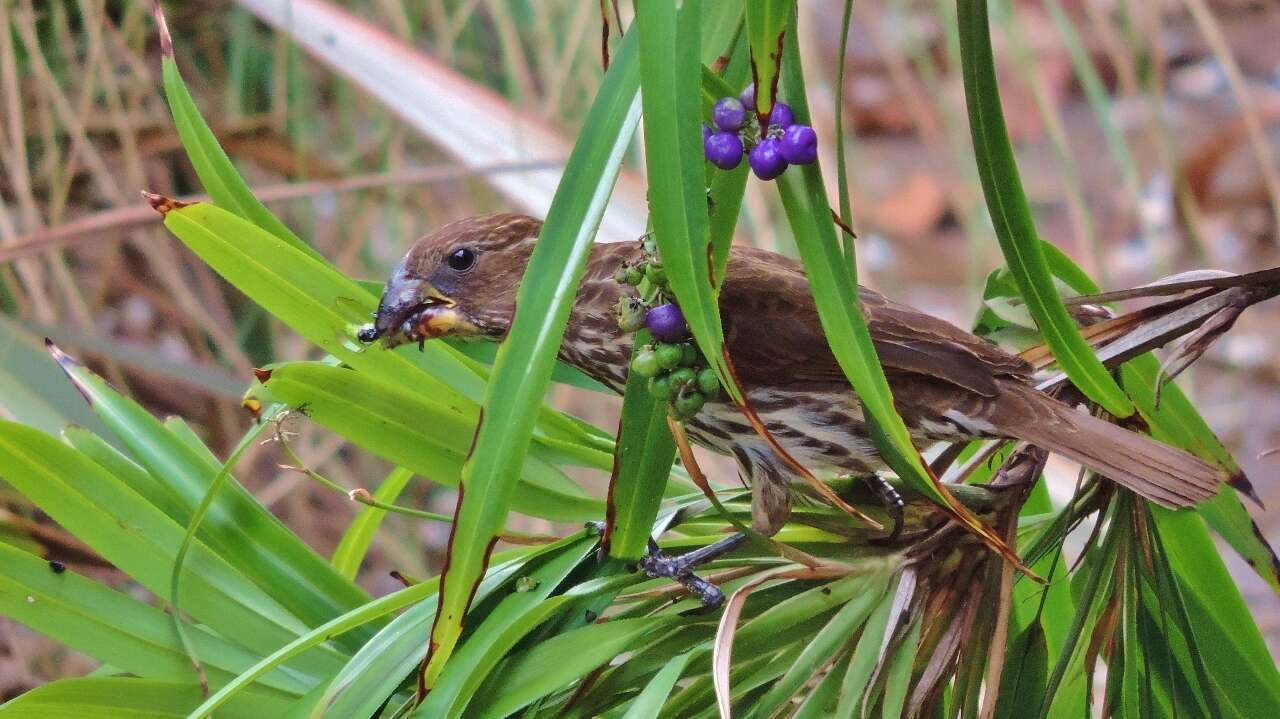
[948, 385]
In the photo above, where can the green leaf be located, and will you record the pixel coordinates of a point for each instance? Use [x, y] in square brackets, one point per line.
[835, 291]
[526, 357]
[643, 459]
[118, 630]
[1175, 420]
[324, 306]
[649, 704]
[373, 673]
[671, 84]
[557, 662]
[1225, 632]
[32, 390]
[897, 680]
[140, 540]
[159, 494]
[766, 34]
[354, 545]
[1022, 683]
[105, 697]
[417, 433]
[358, 617]
[515, 616]
[219, 177]
[866, 656]
[1015, 228]
[237, 526]
[819, 652]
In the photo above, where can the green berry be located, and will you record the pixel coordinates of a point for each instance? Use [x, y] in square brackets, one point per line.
[709, 383]
[690, 354]
[683, 377]
[620, 276]
[656, 274]
[630, 312]
[668, 355]
[661, 389]
[635, 274]
[687, 405]
[645, 363]
[650, 246]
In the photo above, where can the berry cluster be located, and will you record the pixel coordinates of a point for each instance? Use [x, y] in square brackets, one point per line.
[770, 150]
[677, 372]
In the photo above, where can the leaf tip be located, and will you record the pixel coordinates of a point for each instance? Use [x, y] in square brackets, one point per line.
[162, 204]
[1239, 481]
[69, 366]
[166, 40]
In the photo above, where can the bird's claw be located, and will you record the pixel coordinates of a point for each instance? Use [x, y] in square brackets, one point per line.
[657, 565]
[893, 504]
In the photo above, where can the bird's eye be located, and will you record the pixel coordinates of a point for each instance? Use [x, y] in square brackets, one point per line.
[462, 259]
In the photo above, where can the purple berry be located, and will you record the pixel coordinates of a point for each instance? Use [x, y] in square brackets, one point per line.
[766, 159]
[781, 115]
[666, 322]
[728, 114]
[723, 149]
[799, 145]
[748, 97]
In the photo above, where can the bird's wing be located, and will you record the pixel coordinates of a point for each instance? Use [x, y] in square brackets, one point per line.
[775, 337]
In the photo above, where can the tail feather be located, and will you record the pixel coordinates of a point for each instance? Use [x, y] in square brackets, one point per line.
[1166, 475]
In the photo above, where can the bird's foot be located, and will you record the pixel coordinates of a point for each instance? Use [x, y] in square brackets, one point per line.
[893, 504]
[656, 564]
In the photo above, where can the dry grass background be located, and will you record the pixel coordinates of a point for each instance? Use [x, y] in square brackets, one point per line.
[1176, 171]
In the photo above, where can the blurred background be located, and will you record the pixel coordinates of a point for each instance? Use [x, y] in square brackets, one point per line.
[1146, 134]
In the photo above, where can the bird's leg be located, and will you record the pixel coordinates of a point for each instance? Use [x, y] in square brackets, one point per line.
[680, 568]
[892, 502]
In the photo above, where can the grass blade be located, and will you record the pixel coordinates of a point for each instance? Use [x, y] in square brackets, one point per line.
[514, 617]
[835, 291]
[766, 33]
[642, 463]
[649, 704]
[220, 179]
[1011, 215]
[130, 697]
[119, 630]
[238, 527]
[414, 432]
[557, 662]
[522, 369]
[136, 537]
[671, 80]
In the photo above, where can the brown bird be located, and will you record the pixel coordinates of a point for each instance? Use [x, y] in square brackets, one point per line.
[948, 384]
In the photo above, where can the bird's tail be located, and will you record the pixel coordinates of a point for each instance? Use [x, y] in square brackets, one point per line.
[1165, 475]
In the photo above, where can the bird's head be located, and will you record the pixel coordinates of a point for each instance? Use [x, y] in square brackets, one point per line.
[459, 281]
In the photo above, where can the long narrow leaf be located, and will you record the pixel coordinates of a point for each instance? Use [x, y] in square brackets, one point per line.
[417, 433]
[118, 630]
[219, 177]
[238, 527]
[1015, 228]
[128, 697]
[804, 197]
[642, 463]
[142, 542]
[526, 357]
[518, 614]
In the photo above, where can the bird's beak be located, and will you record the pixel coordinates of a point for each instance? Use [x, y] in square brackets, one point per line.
[413, 310]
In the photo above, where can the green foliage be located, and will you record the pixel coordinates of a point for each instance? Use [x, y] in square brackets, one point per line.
[280, 631]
